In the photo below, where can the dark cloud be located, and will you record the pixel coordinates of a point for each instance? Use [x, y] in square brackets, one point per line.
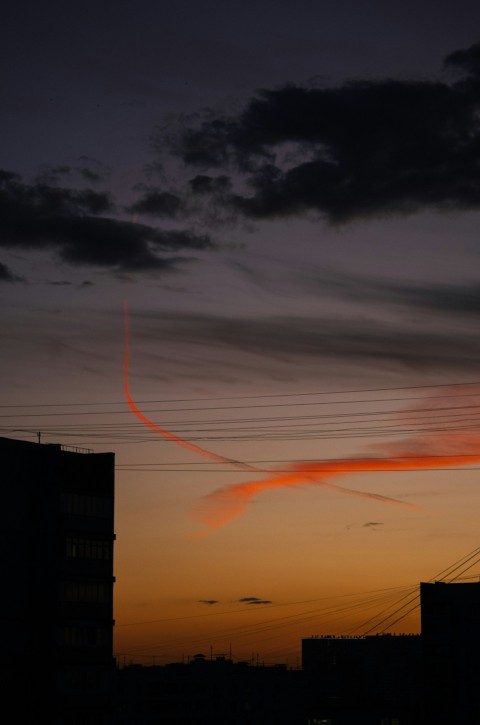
[92, 170]
[7, 177]
[444, 298]
[290, 341]
[249, 599]
[364, 148]
[157, 203]
[6, 275]
[260, 601]
[44, 217]
[52, 175]
[208, 601]
[204, 184]
[459, 299]
[254, 600]
[42, 200]
[467, 60]
[89, 175]
[372, 524]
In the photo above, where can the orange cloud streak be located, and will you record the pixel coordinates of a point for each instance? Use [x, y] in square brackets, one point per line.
[224, 504]
[428, 451]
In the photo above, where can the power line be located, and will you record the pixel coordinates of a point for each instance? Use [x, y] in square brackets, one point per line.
[475, 555]
[256, 397]
[296, 622]
[277, 422]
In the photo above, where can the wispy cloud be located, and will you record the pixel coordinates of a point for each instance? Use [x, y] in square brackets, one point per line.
[290, 341]
[209, 602]
[6, 274]
[254, 600]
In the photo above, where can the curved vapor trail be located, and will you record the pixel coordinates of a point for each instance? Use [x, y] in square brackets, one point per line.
[222, 505]
[167, 435]
[437, 450]
[219, 507]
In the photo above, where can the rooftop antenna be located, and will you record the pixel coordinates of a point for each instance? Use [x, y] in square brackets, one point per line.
[39, 436]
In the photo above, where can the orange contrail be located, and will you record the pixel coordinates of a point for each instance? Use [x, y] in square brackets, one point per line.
[224, 504]
[429, 451]
[157, 429]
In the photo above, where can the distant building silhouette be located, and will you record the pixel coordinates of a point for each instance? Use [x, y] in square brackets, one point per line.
[57, 601]
[450, 616]
[373, 680]
[210, 692]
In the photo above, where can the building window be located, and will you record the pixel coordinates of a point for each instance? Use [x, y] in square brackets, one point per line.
[86, 505]
[81, 679]
[87, 591]
[78, 547]
[78, 636]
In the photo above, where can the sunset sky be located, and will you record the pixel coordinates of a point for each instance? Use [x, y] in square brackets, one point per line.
[239, 247]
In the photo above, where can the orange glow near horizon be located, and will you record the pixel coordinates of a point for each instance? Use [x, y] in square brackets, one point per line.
[329, 575]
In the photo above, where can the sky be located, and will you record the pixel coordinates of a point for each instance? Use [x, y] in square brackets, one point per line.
[239, 247]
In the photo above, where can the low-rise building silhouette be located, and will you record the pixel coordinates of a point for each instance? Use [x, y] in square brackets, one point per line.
[210, 691]
[372, 680]
[426, 679]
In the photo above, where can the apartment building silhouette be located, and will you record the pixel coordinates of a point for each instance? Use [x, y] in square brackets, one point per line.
[450, 619]
[426, 679]
[57, 602]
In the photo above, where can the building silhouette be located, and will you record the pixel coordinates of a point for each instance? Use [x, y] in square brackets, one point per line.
[368, 680]
[426, 679]
[450, 619]
[57, 660]
[215, 691]
[57, 603]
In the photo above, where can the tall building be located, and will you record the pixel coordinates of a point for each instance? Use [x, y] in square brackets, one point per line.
[450, 619]
[57, 601]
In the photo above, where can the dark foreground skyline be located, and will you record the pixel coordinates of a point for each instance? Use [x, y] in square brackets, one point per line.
[60, 664]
